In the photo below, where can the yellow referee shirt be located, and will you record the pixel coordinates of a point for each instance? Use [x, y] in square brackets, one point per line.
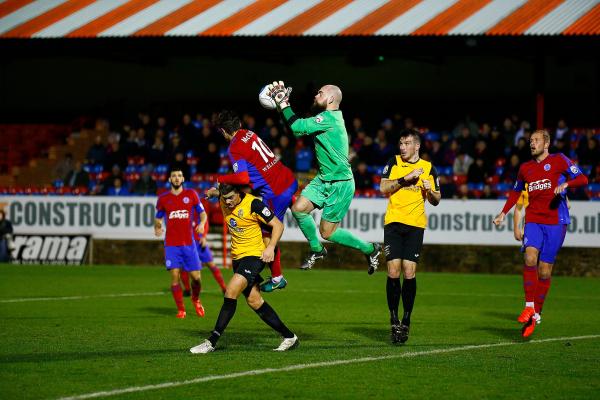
[244, 226]
[407, 205]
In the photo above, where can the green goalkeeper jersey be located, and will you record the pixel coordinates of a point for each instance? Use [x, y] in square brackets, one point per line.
[331, 141]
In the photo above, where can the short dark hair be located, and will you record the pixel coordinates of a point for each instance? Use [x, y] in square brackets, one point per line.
[409, 132]
[176, 168]
[229, 121]
[227, 188]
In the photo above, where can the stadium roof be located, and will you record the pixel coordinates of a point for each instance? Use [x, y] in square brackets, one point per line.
[120, 18]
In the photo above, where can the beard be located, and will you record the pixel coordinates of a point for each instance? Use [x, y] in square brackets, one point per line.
[317, 108]
[176, 187]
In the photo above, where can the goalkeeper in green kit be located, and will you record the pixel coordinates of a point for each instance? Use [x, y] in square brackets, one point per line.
[332, 189]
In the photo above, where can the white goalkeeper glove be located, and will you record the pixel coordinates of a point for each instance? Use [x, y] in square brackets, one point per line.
[280, 94]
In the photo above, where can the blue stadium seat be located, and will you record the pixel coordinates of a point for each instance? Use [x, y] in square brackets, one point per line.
[594, 187]
[475, 186]
[98, 169]
[503, 187]
[58, 183]
[586, 169]
[304, 160]
[161, 169]
[190, 154]
[499, 171]
[432, 136]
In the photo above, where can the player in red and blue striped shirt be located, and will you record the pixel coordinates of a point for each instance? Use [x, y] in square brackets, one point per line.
[178, 208]
[254, 164]
[547, 177]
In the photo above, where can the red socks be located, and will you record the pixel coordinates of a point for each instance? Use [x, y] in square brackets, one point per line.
[178, 297]
[530, 282]
[217, 274]
[541, 291]
[185, 278]
[276, 264]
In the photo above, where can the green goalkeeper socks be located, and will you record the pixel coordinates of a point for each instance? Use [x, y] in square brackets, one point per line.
[309, 229]
[344, 237]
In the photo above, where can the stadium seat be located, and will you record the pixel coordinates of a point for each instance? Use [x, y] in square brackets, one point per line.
[432, 136]
[459, 179]
[500, 162]
[304, 160]
[503, 187]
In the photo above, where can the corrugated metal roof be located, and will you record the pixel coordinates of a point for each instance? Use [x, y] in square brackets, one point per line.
[119, 18]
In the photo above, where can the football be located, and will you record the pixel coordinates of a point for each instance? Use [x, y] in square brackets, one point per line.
[265, 100]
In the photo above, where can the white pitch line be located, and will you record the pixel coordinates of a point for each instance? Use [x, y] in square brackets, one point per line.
[99, 296]
[296, 367]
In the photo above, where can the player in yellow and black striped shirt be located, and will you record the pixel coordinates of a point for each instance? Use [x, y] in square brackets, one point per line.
[244, 214]
[409, 180]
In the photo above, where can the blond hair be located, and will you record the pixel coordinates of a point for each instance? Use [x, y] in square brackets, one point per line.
[544, 134]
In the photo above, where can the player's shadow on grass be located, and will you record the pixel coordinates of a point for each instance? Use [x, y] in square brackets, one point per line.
[505, 333]
[377, 334]
[160, 310]
[507, 316]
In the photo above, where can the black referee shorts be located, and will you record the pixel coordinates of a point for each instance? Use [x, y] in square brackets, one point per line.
[250, 268]
[402, 241]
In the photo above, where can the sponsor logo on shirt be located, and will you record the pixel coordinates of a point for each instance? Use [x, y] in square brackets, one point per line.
[179, 214]
[266, 212]
[319, 119]
[542, 184]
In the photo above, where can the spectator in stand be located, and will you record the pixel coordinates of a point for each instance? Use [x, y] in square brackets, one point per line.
[358, 140]
[462, 193]
[273, 138]
[447, 187]
[511, 169]
[6, 230]
[145, 185]
[129, 144]
[115, 174]
[450, 154]
[77, 177]
[63, 167]
[118, 189]
[477, 172]
[521, 133]
[161, 124]
[488, 194]
[363, 179]
[485, 133]
[288, 154]
[114, 155]
[142, 145]
[587, 153]
[462, 163]
[522, 150]
[264, 131]
[481, 151]
[211, 160]
[187, 131]
[392, 134]
[437, 155]
[562, 131]
[97, 152]
[366, 152]
[157, 153]
[179, 163]
[175, 147]
[383, 150]
[508, 130]
[497, 145]
[560, 146]
[466, 141]
[357, 126]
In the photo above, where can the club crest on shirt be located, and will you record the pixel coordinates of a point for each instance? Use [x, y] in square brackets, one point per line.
[319, 119]
[574, 169]
[241, 213]
[547, 167]
[186, 199]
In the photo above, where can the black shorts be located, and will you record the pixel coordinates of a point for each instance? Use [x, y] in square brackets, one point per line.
[402, 241]
[250, 268]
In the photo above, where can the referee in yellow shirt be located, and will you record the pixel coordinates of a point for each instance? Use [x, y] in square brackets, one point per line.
[408, 180]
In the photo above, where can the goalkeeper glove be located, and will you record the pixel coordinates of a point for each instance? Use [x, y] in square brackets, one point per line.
[280, 94]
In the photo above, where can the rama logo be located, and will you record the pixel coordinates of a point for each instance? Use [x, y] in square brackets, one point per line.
[542, 184]
[179, 214]
[38, 249]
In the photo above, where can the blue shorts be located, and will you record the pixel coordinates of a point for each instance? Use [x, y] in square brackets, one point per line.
[182, 257]
[548, 239]
[204, 253]
[280, 204]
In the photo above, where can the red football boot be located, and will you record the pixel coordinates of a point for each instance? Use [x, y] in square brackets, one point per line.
[181, 314]
[527, 313]
[529, 327]
[199, 308]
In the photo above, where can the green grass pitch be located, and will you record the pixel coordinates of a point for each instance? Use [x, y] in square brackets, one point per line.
[118, 334]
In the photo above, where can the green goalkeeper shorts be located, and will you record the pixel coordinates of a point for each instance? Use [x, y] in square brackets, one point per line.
[333, 198]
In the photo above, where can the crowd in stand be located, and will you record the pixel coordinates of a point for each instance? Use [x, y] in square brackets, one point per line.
[474, 160]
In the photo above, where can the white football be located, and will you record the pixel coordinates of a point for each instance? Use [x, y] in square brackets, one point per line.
[265, 100]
